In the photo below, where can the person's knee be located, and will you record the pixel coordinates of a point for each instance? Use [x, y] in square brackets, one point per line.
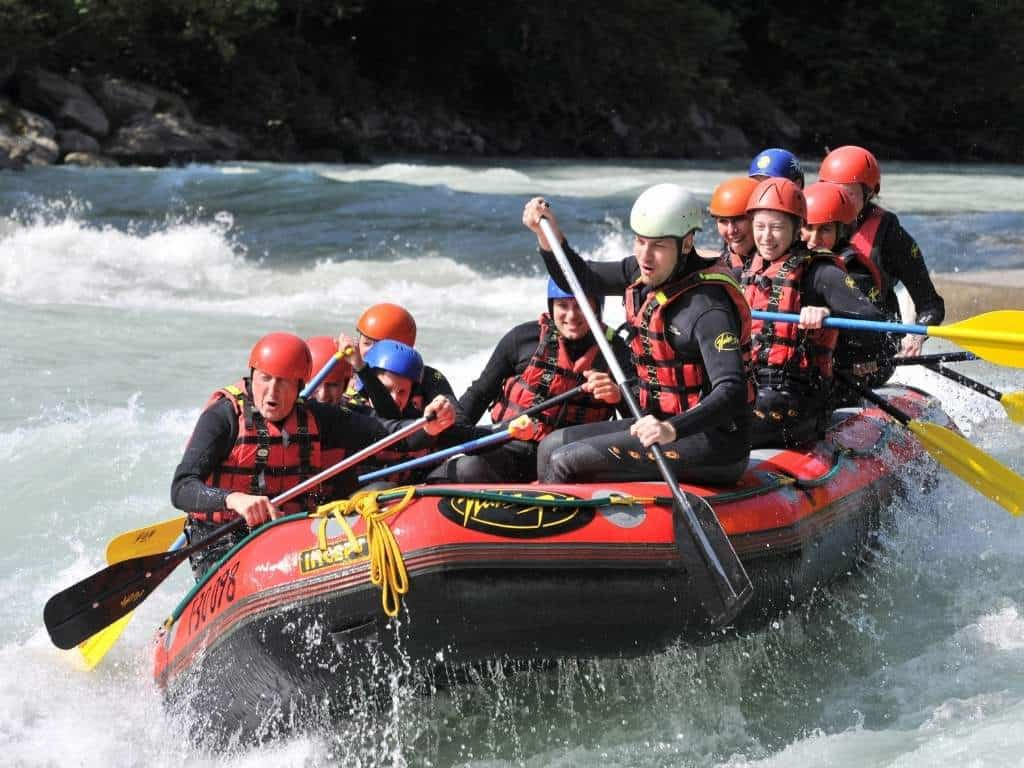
[557, 466]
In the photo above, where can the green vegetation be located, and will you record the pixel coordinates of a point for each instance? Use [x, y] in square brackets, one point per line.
[910, 79]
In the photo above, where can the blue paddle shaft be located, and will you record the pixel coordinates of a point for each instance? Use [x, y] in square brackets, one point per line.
[845, 322]
[318, 379]
[480, 442]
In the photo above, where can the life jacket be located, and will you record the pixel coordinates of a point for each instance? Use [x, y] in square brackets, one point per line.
[785, 348]
[267, 458]
[359, 402]
[864, 256]
[550, 372]
[669, 385]
[731, 260]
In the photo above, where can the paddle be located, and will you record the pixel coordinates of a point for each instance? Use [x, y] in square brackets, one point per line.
[157, 537]
[941, 357]
[1012, 402]
[85, 608]
[718, 577]
[93, 649]
[324, 372]
[966, 461]
[988, 335]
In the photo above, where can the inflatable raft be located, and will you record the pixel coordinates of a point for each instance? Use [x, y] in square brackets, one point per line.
[290, 618]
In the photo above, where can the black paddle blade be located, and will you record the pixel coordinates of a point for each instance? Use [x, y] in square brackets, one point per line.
[720, 584]
[94, 603]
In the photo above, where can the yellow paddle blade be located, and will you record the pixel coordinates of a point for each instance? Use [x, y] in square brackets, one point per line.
[995, 336]
[95, 648]
[972, 465]
[1013, 402]
[154, 538]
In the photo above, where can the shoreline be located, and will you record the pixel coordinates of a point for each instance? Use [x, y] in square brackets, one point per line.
[972, 293]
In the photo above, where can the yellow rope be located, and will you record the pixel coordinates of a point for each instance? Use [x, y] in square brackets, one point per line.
[387, 569]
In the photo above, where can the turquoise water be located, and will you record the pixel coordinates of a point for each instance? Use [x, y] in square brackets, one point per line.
[127, 295]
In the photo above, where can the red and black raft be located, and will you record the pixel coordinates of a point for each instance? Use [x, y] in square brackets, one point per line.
[290, 619]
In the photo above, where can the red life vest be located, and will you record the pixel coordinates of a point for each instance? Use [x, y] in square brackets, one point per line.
[784, 347]
[668, 385]
[734, 261]
[865, 255]
[548, 373]
[267, 458]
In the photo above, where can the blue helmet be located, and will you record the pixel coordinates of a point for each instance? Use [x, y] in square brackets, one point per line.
[554, 292]
[396, 357]
[779, 163]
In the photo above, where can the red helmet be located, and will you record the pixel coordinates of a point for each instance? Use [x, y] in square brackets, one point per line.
[323, 348]
[283, 355]
[851, 165]
[829, 202]
[388, 321]
[775, 194]
[730, 197]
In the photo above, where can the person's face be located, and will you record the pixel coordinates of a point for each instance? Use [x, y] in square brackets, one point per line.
[273, 397]
[399, 386]
[736, 232]
[773, 233]
[658, 257]
[365, 343]
[820, 237]
[856, 192]
[568, 319]
[330, 392]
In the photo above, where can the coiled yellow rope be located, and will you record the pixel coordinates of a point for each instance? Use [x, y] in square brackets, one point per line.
[387, 569]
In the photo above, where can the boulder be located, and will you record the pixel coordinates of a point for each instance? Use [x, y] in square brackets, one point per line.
[121, 99]
[25, 137]
[88, 160]
[163, 138]
[68, 103]
[71, 141]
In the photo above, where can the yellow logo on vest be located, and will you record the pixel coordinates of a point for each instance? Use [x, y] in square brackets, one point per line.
[727, 342]
[850, 282]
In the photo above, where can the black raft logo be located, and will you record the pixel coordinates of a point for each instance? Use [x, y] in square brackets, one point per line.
[523, 516]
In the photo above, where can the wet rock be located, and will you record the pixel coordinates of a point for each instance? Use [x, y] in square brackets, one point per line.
[68, 103]
[25, 137]
[122, 100]
[88, 160]
[71, 141]
[162, 138]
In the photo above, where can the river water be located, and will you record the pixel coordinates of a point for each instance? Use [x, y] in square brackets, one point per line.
[128, 295]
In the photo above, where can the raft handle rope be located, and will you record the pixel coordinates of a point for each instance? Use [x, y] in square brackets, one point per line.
[387, 568]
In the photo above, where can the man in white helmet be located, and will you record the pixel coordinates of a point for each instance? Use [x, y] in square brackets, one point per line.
[690, 328]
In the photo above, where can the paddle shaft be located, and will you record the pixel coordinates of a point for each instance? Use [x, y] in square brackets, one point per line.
[324, 372]
[959, 378]
[541, 406]
[471, 445]
[731, 597]
[942, 357]
[845, 322]
[875, 398]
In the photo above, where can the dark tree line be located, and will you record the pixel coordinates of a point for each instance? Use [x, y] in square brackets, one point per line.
[912, 79]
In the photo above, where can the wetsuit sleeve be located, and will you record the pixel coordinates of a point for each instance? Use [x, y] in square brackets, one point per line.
[211, 442]
[501, 365]
[905, 263]
[728, 395]
[827, 287]
[434, 383]
[378, 394]
[598, 278]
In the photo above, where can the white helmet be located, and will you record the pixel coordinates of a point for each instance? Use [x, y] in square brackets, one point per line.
[665, 210]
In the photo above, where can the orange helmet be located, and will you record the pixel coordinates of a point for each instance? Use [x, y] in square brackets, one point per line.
[730, 197]
[388, 321]
[851, 165]
[283, 355]
[829, 202]
[322, 349]
[775, 194]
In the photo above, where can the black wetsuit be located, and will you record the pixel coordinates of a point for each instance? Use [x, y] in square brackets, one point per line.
[516, 460]
[794, 409]
[712, 439]
[869, 358]
[213, 439]
[430, 386]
